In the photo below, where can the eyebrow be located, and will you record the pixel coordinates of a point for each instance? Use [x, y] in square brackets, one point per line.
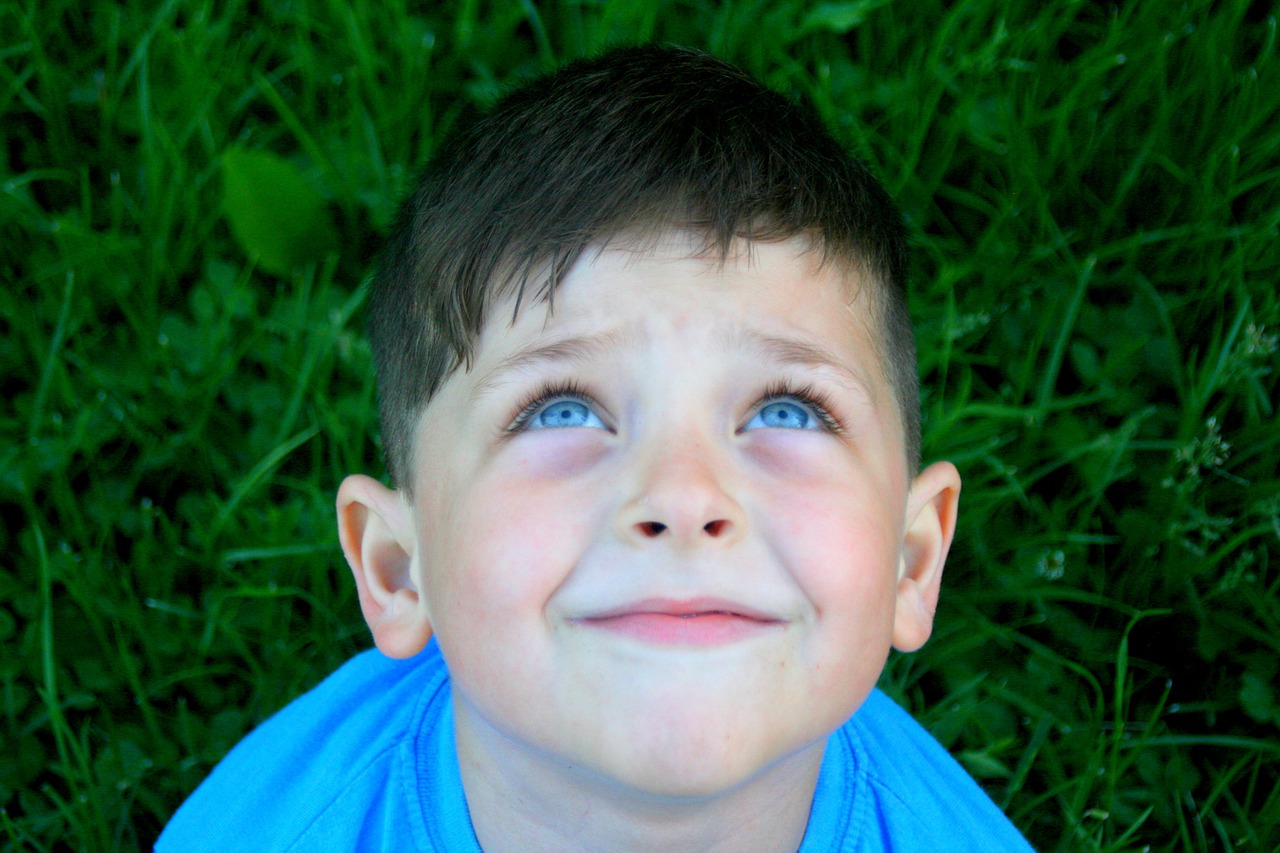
[790, 351]
[776, 349]
[575, 350]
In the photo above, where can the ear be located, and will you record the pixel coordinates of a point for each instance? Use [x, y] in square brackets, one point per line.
[930, 527]
[375, 525]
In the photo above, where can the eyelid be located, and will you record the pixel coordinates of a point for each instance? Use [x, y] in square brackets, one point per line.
[549, 391]
[806, 394]
[546, 393]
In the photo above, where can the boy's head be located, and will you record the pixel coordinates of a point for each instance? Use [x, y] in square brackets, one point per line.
[645, 139]
[648, 390]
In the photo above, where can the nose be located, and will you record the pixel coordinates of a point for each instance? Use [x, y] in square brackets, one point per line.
[683, 495]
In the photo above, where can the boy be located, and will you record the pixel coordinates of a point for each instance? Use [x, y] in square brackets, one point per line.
[648, 395]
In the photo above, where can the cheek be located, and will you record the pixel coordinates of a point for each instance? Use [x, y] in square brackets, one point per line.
[840, 543]
[510, 537]
[841, 552]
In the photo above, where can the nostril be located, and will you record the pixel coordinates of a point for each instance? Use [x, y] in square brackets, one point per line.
[652, 528]
[715, 528]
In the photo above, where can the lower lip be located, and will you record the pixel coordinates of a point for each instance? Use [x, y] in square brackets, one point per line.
[702, 629]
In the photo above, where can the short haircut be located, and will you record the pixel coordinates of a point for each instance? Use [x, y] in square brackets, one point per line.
[639, 138]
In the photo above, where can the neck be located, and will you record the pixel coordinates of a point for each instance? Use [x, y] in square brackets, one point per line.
[523, 800]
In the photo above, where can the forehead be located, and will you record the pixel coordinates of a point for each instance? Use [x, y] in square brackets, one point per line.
[673, 278]
[772, 302]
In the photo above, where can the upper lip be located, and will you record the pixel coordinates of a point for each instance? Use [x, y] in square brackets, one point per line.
[685, 607]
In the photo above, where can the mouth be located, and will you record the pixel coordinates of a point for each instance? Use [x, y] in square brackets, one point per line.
[691, 622]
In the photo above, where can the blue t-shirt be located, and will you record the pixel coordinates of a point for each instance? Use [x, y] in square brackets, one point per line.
[367, 761]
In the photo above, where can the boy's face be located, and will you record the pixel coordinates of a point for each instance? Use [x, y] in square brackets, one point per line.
[665, 533]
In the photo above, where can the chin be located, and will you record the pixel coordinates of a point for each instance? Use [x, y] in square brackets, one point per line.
[689, 764]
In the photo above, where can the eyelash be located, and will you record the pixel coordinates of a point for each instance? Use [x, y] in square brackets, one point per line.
[807, 394]
[547, 391]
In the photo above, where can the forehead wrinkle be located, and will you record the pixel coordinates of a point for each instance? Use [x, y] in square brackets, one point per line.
[576, 349]
[789, 351]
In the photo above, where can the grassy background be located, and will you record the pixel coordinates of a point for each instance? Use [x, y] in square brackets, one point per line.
[190, 198]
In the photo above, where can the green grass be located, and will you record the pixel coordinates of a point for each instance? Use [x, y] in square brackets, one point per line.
[1095, 194]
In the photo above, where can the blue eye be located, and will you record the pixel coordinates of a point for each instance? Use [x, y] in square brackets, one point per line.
[561, 413]
[784, 414]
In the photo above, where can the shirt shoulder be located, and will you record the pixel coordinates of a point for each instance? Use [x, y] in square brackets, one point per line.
[339, 755]
[914, 795]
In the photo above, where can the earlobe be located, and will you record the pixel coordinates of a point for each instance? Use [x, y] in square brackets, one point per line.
[375, 526]
[930, 527]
